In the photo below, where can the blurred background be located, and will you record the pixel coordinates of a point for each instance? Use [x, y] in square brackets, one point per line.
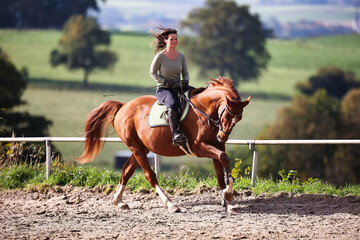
[299, 60]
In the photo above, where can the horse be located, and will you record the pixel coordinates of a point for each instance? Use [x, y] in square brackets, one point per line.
[213, 114]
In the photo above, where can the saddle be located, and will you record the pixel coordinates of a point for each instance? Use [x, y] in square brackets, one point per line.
[157, 113]
[157, 118]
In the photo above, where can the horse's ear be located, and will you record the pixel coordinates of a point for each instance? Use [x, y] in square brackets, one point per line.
[233, 104]
[246, 102]
[229, 102]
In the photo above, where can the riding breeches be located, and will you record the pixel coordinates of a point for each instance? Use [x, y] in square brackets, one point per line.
[168, 97]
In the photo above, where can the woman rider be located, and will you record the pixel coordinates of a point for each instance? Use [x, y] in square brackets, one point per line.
[166, 69]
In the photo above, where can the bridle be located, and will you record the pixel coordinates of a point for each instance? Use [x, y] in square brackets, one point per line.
[217, 123]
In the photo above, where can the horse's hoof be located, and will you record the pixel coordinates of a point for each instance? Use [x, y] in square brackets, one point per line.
[123, 206]
[229, 196]
[223, 203]
[174, 209]
[233, 210]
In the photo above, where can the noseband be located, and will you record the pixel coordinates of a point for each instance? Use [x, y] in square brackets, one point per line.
[219, 121]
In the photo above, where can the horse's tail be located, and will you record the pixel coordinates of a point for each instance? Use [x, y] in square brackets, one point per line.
[97, 121]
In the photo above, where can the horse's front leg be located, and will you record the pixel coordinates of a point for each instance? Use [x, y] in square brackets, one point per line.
[225, 181]
[221, 163]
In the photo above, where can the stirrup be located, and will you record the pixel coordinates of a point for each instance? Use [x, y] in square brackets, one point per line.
[178, 138]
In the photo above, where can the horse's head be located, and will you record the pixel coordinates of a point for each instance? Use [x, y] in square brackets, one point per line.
[230, 109]
[230, 112]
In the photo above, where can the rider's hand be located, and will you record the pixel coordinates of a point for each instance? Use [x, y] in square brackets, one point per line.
[167, 84]
[184, 84]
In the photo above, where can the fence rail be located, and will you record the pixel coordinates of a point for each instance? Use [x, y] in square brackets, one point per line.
[250, 143]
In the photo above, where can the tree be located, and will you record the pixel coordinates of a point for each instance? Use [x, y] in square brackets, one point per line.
[345, 164]
[12, 83]
[79, 47]
[41, 13]
[334, 80]
[327, 109]
[319, 116]
[228, 39]
[350, 108]
[314, 117]
[12, 86]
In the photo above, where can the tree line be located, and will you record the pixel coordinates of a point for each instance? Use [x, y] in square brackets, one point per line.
[327, 107]
[42, 13]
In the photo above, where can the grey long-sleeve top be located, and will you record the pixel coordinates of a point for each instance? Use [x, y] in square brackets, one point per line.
[163, 68]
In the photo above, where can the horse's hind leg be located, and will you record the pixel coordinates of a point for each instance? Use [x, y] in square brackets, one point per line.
[151, 177]
[128, 170]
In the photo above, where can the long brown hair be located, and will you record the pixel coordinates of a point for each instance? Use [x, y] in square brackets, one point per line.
[160, 36]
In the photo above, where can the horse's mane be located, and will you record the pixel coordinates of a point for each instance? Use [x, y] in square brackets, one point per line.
[219, 82]
[222, 82]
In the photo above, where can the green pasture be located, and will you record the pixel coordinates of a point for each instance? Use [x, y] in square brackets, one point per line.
[58, 94]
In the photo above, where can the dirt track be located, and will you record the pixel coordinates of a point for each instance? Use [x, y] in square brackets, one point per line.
[83, 213]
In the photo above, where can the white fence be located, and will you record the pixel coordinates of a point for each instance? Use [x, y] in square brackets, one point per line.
[250, 143]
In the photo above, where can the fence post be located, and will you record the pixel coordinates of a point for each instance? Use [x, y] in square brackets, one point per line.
[254, 166]
[48, 157]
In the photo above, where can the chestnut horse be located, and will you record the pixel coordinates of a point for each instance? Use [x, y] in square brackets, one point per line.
[215, 111]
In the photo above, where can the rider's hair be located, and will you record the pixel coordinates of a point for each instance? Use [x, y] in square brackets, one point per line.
[160, 36]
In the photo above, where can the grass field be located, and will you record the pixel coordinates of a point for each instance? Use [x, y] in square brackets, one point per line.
[20, 176]
[57, 93]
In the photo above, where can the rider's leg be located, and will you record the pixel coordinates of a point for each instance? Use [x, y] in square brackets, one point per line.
[174, 122]
[169, 97]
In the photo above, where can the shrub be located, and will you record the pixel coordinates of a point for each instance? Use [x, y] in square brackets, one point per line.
[335, 81]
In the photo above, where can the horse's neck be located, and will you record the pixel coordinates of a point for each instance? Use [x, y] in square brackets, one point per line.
[208, 101]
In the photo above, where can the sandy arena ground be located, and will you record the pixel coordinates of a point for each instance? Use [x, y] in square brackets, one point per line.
[83, 213]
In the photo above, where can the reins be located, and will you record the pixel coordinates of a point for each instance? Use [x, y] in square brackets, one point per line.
[133, 91]
[217, 123]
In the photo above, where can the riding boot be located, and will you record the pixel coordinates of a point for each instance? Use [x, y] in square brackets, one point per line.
[174, 122]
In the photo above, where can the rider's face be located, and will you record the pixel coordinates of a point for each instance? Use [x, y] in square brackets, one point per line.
[172, 40]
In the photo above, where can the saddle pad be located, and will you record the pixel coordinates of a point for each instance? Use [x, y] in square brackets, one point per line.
[157, 115]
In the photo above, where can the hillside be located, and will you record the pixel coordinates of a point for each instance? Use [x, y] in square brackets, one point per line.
[142, 15]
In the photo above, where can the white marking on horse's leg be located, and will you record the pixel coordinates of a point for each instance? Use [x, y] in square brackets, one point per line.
[228, 193]
[118, 194]
[229, 188]
[227, 196]
[166, 199]
[163, 196]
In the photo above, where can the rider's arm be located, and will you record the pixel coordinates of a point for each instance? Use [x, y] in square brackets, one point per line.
[185, 70]
[154, 68]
